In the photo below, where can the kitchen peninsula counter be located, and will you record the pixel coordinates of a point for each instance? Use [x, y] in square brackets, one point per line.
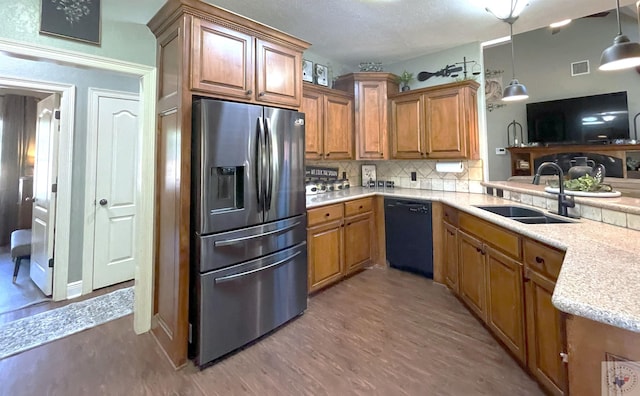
[600, 275]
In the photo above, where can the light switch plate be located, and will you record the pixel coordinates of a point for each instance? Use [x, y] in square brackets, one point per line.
[501, 151]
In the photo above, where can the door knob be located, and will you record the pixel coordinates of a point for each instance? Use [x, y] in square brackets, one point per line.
[32, 199]
[103, 202]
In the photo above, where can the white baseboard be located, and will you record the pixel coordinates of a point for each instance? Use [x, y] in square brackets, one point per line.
[74, 289]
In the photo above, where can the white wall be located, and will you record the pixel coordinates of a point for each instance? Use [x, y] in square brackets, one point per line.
[543, 64]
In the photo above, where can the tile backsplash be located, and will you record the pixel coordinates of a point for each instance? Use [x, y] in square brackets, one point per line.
[427, 178]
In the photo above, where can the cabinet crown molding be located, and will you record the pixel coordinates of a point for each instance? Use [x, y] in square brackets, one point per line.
[174, 9]
[466, 83]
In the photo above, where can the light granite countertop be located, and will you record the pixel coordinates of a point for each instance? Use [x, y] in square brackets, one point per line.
[600, 275]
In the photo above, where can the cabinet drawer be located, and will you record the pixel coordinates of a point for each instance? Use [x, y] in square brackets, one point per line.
[450, 215]
[498, 237]
[358, 206]
[323, 214]
[542, 258]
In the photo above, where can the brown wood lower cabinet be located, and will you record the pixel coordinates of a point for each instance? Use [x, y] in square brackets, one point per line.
[340, 241]
[507, 280]
[590, 345]
[451, 256]
[546, 337]
[505, 301]
[325, 254]
[472, 273]
[358, 235]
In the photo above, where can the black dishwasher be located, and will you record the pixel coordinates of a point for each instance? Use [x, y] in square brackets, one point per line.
[409, 235]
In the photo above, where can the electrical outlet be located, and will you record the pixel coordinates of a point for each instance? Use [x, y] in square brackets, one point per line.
[501, 151]
[414, 176]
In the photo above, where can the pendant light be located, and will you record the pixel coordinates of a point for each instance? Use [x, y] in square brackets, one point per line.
[514, 91]
[623, 54]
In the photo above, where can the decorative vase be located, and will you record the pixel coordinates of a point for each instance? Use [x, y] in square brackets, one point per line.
[405, 87]
[581, 166]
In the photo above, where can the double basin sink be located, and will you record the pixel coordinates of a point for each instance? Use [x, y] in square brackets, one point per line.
[524, 215]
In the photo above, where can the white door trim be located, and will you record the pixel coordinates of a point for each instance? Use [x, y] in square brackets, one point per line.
[63, 197]
[88, 234]
[144, 271]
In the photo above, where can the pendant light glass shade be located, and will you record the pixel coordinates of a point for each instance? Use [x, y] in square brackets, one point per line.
[623, 54]
[515, 91]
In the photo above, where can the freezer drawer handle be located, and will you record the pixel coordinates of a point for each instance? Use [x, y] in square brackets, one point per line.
[233, 241]
[229, 278]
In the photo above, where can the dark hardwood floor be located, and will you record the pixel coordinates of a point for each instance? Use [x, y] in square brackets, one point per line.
[381, 332]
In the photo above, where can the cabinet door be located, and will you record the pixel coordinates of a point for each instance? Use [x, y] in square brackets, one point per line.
[221, 61]
[407, 127]
[312, 103]
[505, 301]
[472, 273]
[325, 255]
[279, 74]
[338, 127]
[358, 237]
[445, 124]
[451, 257]
[372, 120]
[545, 334]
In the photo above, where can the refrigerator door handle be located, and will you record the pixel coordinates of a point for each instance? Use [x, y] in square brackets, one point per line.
[259, 164]
[229, 278]
[234, 241]
[270, 170]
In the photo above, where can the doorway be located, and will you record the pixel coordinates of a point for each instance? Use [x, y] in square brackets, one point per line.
[146, 189]
[20, 187]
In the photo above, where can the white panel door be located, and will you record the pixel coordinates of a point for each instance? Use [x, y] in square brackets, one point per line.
[116, 186]
[44, 199]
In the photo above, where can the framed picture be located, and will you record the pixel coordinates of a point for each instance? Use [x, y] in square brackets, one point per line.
[307, 71]
[322, 75]
[368, 173]
[73, 19]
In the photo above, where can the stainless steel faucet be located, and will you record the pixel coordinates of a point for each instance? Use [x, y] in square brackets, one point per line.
[564, 201]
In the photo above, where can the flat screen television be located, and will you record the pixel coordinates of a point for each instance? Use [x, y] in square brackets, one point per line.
[597, 119]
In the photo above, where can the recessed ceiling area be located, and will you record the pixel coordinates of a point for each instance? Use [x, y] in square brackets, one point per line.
[387, 31]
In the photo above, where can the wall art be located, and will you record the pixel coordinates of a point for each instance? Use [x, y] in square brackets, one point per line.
[73, 19]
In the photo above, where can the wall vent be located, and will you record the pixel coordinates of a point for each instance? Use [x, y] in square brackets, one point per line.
[580, 68]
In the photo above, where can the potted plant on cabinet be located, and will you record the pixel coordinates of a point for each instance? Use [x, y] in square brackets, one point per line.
[404, 79]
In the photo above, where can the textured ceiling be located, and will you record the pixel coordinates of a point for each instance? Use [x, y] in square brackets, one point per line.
[353, 31]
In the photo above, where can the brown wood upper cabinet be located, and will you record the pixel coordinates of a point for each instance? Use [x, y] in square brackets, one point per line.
[329, 123]
[206, 51]
[370, 91]
[232, 64]
[438, 122]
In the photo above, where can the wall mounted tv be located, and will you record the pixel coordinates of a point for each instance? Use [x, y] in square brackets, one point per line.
[597, 119]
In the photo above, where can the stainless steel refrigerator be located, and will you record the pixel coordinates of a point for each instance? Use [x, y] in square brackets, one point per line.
[249, 253]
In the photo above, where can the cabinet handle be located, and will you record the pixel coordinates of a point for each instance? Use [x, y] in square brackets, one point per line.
[565, 357]
[360, 207]
[249, 92]
[327, 214]
[381, 154]
[261, 94]
[328, 154]
[480, 251]
[539, 260]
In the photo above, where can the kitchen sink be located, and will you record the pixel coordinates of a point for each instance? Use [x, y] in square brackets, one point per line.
[512, 211]
[524, 215]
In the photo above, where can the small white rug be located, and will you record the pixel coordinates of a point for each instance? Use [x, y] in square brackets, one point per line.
[32, 331]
